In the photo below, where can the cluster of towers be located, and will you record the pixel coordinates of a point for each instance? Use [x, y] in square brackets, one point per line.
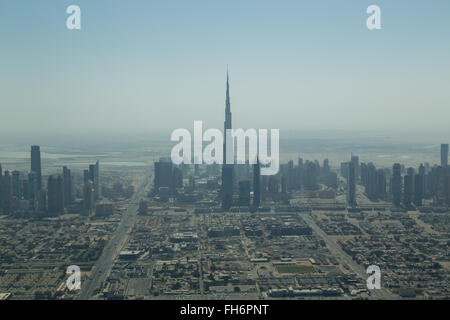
[425, 183]
[408, 186]
[19, 194]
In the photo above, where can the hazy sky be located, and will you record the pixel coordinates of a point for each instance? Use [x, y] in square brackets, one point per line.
[160, 65]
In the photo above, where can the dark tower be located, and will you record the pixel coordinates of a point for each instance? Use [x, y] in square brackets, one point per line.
[444, 155]
[256, 184]
[418, 189]
[227, 169]
[396, 185]
[36, 165]
[67, 186]
[351, 184]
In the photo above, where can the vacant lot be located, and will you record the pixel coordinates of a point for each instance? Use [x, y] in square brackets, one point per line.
[294, 269]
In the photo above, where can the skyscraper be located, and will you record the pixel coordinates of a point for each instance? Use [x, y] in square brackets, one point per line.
[33, 193]
[381, 184]
[67, 186]
[88, 197]
[227, 169]
[55, 194]
[351, 184]
[244, 193]
[408, 189]
[355, 160]
[94, 176]
[97, 189]
[6, 192]
[444, 155]
[1, 188]
[371, 181]
[15, 184]
[441, 186]
[396, 185]
[36, 165]
[418, 189]
[256, 184]
[163, 175]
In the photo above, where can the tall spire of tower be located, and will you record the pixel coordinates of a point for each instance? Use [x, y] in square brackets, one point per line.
[227, 102]
[227, 169]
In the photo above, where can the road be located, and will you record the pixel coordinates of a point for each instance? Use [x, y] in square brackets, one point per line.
[337, 251]
[104, 264]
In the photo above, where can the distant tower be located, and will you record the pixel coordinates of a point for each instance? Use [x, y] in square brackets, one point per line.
[164, 175]
[88, 198]
[418, 189]
[441, 181]
[396, 185]
[6, 192]
[444, 155]
[97, 188]
[1, 188]
[244, 193]
[52, 196]
[36, 165]
[381, 184]
[355, 160]
[94, 176]
[351, 184]
[408, 189]
[227, 169]
[15, 184]
[256, 184]
[67, 178]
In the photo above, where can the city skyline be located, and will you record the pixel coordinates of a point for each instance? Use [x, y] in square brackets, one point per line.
[329, 181]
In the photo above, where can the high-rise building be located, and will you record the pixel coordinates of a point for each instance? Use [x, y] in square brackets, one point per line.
[370, 181]
[363, 172]
[33, 192]
[448, 190]
[351, 184]
[381, 184]
[6, 192]
[355, 160]
[163, 175]
[51, 195]
[94, 176]
[441, 186]
[227, 169]
[444, 155]
[36, 165]
[88, 198]
[55, 195]
[311, 175]
[408, 190]
[67, 178]
[1, 188]
[244, 193]
[86, 176]
[15, 184]
[326, 166]
[59, 194]
[256, 184]
[177, 177]
[396, 185]
[96, 181]
[418, 189]
[344, 169]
